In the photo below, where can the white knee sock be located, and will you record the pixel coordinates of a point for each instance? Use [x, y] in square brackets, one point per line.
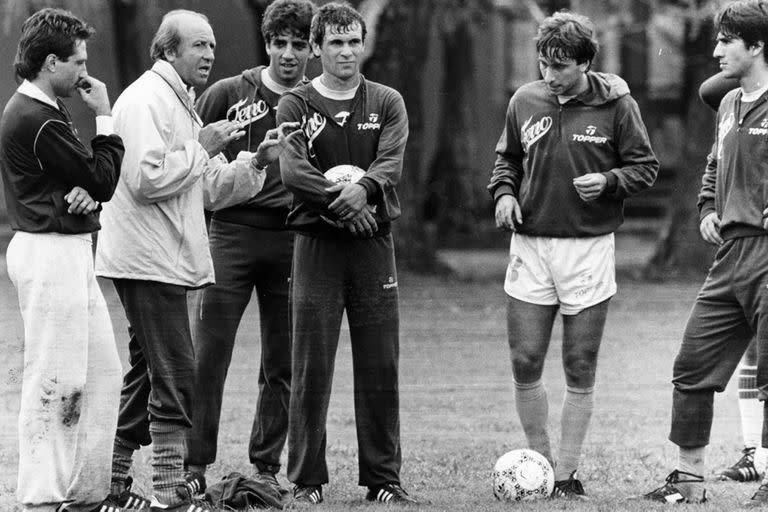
[533, 410]
[750, 408]
[577, 411]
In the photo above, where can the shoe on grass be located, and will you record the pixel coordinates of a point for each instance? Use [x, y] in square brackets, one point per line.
[570, 489]
[309, 494]
[390, 493]
[670, 491]
[129, 499]
[195, 483]
[744, 470]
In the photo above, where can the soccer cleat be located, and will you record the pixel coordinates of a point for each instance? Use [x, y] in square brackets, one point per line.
[744, 470]
[759, 499]
[109, 506]
[189, 505]
[270, 480]
[569, 489]
[311, 494]
[390, 493]
[129, 500]
[195, 483]
[669, 492]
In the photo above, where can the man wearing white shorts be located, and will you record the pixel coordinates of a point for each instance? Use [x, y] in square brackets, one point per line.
[573, 148]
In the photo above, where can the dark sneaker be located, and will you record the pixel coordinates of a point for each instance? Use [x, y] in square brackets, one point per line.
[271, 480]
[311, 494]
[670, 492]
[744, 470]
[569, 489]
[195, 483]
[108, 506]
[759, 499]
[190, 505]
[128, 499]
[390, 493]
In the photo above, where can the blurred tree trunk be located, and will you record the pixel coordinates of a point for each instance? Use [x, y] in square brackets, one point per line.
[125, 23]
[398, 60]
[680, 250]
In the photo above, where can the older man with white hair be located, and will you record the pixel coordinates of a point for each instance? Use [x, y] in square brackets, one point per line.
[154, 246]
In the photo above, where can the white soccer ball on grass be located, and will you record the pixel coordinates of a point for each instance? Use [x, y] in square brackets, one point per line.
[522, 475]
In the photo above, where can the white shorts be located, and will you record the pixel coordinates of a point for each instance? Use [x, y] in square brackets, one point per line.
[575, 273]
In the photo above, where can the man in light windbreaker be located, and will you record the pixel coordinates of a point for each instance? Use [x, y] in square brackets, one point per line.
[573, 148]
[154, 245]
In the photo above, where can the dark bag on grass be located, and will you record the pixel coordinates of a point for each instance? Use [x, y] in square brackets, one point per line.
[235, 491]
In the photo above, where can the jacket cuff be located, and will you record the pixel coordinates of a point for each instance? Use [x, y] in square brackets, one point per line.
[502, 190]
[612, 182]
[369, 185]
[706, 209]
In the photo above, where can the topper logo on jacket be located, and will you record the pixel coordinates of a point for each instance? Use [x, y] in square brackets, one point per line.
[312, 127]
[532, 133]
[341, 117]
[590, 136]
[763, 130]
[372, 123]
[250, 113]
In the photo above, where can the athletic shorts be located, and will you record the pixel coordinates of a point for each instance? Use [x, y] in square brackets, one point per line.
[575, 273]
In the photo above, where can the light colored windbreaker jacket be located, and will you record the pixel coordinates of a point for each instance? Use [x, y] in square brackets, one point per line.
[153, 229]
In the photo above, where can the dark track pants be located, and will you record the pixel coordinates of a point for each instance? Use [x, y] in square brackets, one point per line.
[158, 385]
[731, 306]
[329, 276]
[244, 258]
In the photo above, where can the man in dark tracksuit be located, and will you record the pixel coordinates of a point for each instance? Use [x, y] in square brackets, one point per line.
[344, 257]
[251, 248]
[732, 303]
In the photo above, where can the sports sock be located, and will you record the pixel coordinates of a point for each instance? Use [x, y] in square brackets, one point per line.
[750, 408]
[533, 410]
[577, 411]
[122, 458]
[691, 460]
[168, 451]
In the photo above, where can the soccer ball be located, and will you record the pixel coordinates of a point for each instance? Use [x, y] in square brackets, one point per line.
[522, 475]
[344, 174]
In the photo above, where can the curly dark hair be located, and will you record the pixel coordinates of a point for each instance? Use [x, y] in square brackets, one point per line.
[747, 20]
[567, 35]
[48, 31]
[340, 15]
[287, 17]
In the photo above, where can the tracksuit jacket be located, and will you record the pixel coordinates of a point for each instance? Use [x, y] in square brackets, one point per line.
[373, 138]
[244, 98]
[545, 145]
[734, 182]
[42, 159]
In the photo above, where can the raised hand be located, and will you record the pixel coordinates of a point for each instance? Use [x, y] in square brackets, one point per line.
[274, 143]
[214, 137]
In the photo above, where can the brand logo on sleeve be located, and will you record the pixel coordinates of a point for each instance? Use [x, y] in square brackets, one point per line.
[589, 136]
[726, 125]
[312, 127]
[243, 111]
[531, 133]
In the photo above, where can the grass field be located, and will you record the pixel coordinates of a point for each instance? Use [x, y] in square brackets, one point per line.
[457, 412]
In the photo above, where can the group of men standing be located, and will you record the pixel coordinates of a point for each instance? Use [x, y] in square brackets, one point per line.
[255, 150]
[161, 159]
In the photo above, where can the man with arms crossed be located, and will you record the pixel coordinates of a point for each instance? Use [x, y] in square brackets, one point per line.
[730, 307]
[343, 257]
[154, 245]
[573, 148]
[251, 248]
[70, 389]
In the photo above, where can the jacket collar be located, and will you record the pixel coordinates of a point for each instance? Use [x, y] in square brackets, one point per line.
[169, 74]
[27, 88]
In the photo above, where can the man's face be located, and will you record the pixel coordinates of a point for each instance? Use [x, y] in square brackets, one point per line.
[288, 55]
[563, 77]
[68, 73]
[193, 59]
[341, 50]
[735, 58]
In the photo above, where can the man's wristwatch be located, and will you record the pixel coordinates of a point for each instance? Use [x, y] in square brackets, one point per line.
[258, 166]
